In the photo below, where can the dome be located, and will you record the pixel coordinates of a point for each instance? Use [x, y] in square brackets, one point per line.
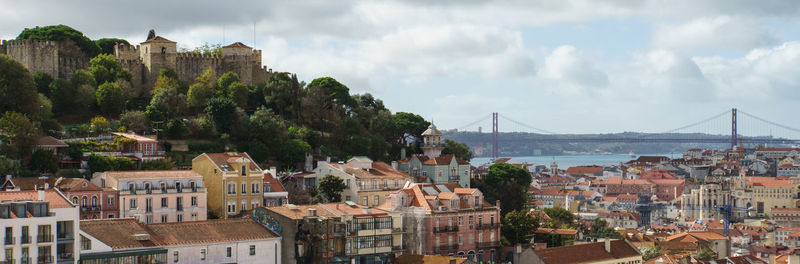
[431, 131]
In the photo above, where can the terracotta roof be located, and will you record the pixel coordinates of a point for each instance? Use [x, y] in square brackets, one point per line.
[237, 45]
[30, 183]
[48, 141]
[76, 185]
[153, 174]
[558, 231]
[378, 170]
[768, 182]
[590, 252]
[55, 199]
[444, 160]
[276, 185]
[465, 190]
[428, 259]
[745, 259]
[299, 211]
[695, 236]
[226, 157]
[584, 169]
[785, 210]
[119, 233]
[136, 137]
[778, 149]
[158, 39]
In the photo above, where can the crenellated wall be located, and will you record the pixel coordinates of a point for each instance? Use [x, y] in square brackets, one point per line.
[59, 59]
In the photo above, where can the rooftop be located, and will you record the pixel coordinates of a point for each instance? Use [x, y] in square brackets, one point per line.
[53, 197]
[590, 252]
[154, 174]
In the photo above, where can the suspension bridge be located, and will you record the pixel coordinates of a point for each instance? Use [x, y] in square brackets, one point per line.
[734, 127]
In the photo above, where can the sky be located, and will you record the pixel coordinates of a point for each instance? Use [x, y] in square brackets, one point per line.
[566, 66]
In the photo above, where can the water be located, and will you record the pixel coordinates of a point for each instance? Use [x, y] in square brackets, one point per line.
[567, 161]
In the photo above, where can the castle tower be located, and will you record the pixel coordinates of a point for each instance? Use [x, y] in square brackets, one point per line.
[157, 53]
[432, 144]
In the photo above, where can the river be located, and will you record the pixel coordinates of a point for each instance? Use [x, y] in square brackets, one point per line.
[567, 161]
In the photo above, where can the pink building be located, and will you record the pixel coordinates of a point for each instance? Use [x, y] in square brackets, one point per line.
[448, 221]
[94, 202]
[157, 196]
[138, 148]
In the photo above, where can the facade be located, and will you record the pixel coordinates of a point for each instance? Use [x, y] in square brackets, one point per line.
[38, 226]
[234, 182]
[448, 220]
[693, 242]
[157, 196]
[274, 193]
[433, 167]
[94, 202]
[788, 217]
[349, 232]
[213, 241]
[367, 182]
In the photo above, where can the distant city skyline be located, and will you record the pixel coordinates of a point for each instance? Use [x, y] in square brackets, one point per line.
[563, 66]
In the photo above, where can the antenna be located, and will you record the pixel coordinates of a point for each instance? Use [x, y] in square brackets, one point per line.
[254, 35]
[223, 34]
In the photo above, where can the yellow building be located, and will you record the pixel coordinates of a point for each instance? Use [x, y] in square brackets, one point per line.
[766, 193]
[233, 181]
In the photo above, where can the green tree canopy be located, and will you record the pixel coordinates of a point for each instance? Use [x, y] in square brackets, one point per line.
[600, 229]
[330, 188]
[410, 126]
[60, 33]
[560, 217]
[202, 89]
[222, 111]
[283, 93]
[507, 183]
[19, 134]
[106, 68]
[43, 161]
[110, 98]
[107, 44]
[225, 81]
[17, 90]
[459, 149]
[518, 227]
[42, 82]
[136, 121]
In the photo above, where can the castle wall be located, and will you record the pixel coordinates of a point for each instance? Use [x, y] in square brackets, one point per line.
[59, 59]
[190, 65]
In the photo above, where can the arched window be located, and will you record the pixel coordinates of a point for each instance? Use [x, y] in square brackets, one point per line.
[84, 201]
[94, 201]
[75, 200]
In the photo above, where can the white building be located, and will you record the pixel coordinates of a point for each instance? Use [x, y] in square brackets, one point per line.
[234, 240]
[38, 227]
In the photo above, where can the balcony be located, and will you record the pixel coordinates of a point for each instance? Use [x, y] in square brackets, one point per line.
[453, 178]
[397, 230]
[44, 259]
[489, 244]
[446, 248]
[66, 258]
[9, 241]
[445, 229]
[25, 239]
[65, 237]
[44, 238]
[487, 226]
[398, 248]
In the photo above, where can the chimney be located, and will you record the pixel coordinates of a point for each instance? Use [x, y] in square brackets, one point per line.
[274, 172]
[608, 245]
[394, 165]
[312, 212]
[41, 195]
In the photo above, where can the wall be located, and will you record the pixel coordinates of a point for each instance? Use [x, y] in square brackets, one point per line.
[59, 59]
[212, 179]
[267, 251]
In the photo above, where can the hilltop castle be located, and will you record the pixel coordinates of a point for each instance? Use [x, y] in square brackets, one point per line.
[60, 59]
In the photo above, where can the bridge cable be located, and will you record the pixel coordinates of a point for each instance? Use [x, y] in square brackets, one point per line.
[769, 122]
[697, 123]
[527, 126]
[475, 122]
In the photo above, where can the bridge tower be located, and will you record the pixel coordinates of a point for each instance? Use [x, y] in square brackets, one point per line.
[494, 136]
[733, 128]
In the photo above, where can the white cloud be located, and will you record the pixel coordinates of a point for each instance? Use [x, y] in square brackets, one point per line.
[571, 73]
[715, 34]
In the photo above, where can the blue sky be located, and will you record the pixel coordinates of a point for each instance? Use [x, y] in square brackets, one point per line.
[573, 66]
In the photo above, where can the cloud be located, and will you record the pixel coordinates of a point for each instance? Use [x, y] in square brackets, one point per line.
[571, 73]
[714, 34]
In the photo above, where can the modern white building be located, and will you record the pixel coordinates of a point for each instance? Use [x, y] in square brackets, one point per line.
[38, 226]
[234, 240]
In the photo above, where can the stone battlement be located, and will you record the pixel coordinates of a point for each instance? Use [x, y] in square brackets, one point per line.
[194, 55]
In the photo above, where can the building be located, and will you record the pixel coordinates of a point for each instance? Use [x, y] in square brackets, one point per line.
[38, 226]
[157, 196]
[274, 193]
[212, 241]
[788, 217]
[366, 182]
[694, 242]
[608, 251]
[58, 148]
[94, 202]
[233, 180]
[428, 259]
[334, 232]
[434, 167]
[448, 220]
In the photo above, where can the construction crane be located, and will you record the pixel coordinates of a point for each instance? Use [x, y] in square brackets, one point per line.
[725, 210]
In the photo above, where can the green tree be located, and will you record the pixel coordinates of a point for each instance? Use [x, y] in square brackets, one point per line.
[42, 82]
[705, 255]
[238, 92]
[176, 129]
[122, 164]
[294, 151]
[208, 49]
[45, 109]
[651, 253]
[283, 93]
[203, 89]
[19, 134]
[167, 79]
[17, 90]
[170, 102]
[107, 44]
[43, 161]
[99, 163]
[559, 217]
[151, 34]
[160, 164]
[60, 33]
[459, 149]
[222, 111]
[225, 81]
[100, 125]
[409, 126]
[136, 121]
[518, 227]
[110, 98]
[105, 68]
[330, 188]
[600, 229]
[65, 96]
[507, 183]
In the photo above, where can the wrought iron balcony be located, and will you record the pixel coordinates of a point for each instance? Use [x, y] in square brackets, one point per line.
[44, 238]
[445, 229]
[489, 244]
[487, 226]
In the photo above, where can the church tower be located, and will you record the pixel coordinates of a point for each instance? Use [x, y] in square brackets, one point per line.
[432, 144]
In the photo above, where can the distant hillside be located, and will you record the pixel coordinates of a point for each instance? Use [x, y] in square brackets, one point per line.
[530, 144]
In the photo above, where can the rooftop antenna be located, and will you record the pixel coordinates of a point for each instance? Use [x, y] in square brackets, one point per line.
[223, 33]
[254, 35]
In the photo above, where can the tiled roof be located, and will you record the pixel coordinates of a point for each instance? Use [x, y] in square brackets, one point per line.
[428, 259]
[136, 137]
[226, 157]
[444, 160]
[55, 199]
[584, 169]
[48, 141]
[299, 211]
[158, 39]
[768, 182]
[237, 45]
[153, 174]
[379, 170]
[695, 236]
[276, 185]
[119, 233]
[76, 184]
[557, 231]
[590, 252]
[31, 183]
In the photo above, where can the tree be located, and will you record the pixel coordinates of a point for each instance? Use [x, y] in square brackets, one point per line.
[225, 81]
[330, 188]
[136, 121]
[559, 217]
[151, 34]
[17, 90]
[238, 92]
[518, 227]
[105, 68]
[170, 102]
[208, 49]
[507, 183]
[107, 44]
[176, 129]
[294, 151]
[705, 255]
[167, 79]
[43, 161]
[459, 149]
[160, 164]
[61, 33]
[600, 229]
[409, 126]
[651, 253]
[19, 134]
[222, 111]
[283, 93]
[99, 163]
[42, 82]
[45, 109]
[202, 89]
[110, 98]
[100, 125]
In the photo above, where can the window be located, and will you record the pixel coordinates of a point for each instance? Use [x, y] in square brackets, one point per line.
[228, 252]
[44, 234]
[147, 188]
[84, 202]
[179, 187]
[132, 188]
[194, 201]
[460, 220]
[75, 200]
[149, 219]
[175, 256]
[180, 217]
[179, 204]
[347, 183]
[163, 218]
[244, 169]
[377, 199]
[194, 216]
[133, 203]
[94, 201]
[231, 188]
[252, 250]
[244, 188]
[366, 200]
[164, 187]
[164, 203]
[110, 216]
[267, 187]
[86, 244]
[148, 205]
[254, 187]
[193, 185]
[202, 254]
